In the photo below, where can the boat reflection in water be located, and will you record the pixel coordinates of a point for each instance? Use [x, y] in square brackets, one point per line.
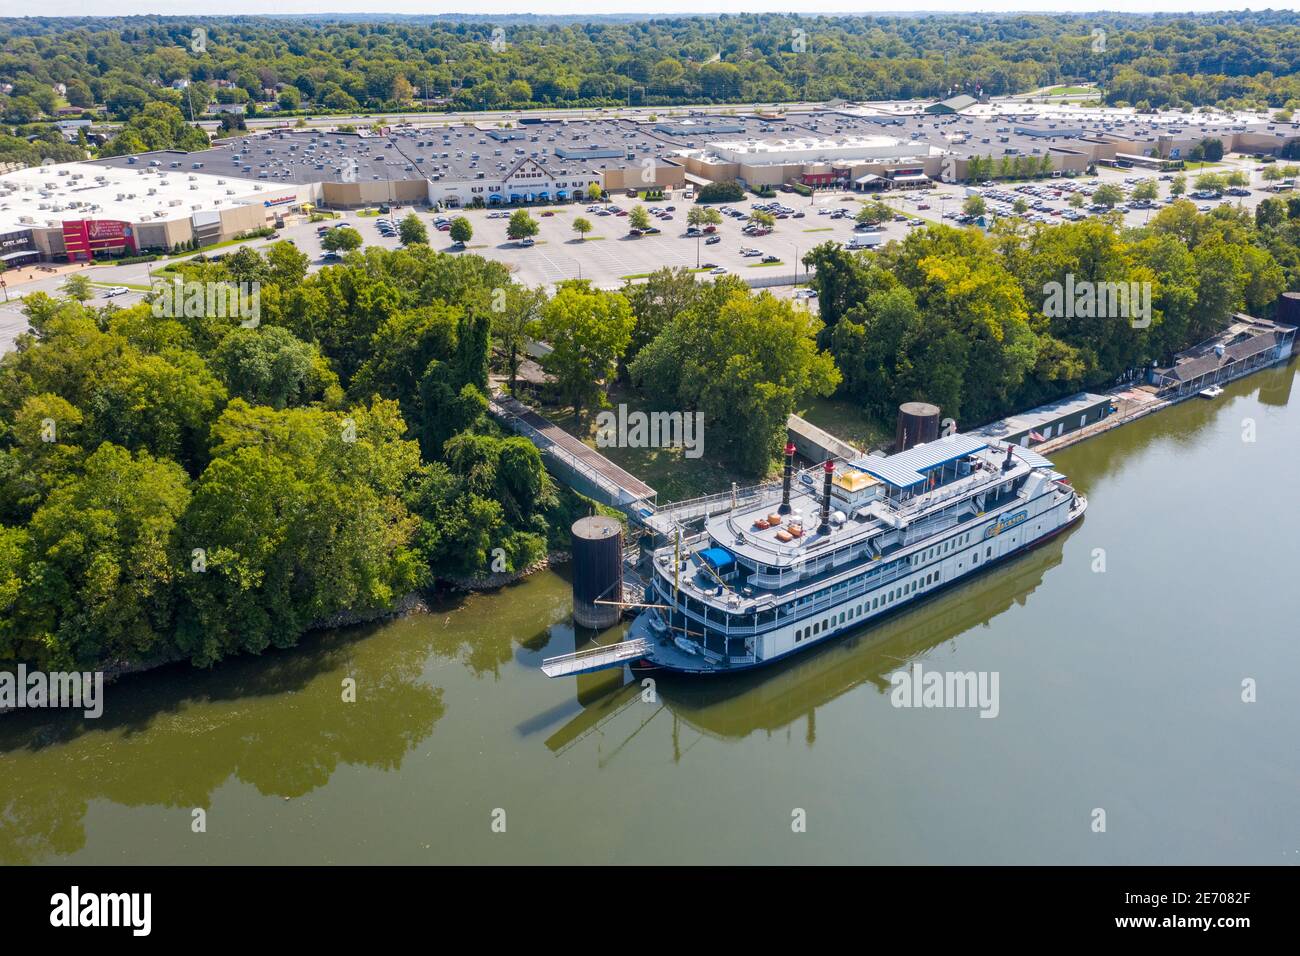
[770, 699]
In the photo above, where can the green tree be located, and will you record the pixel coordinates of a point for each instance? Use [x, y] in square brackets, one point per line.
[582, 226]
[514, 314]
[872, 213]
[588, 331]
[1108, 195]
[1210, 183]
[411, 230]
[745, 365]
[78, 287]
[104, 555]
[1146, 190]
[344, 239]
[638, 218]
[461, 231]
[521, 225]
[301, 517]
[271, 366]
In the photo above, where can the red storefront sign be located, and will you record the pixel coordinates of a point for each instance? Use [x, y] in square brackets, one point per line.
[83, 238]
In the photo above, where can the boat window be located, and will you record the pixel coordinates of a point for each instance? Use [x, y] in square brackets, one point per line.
[988, 552]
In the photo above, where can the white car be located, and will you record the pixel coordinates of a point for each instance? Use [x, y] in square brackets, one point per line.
[116, 290]
[717, 271]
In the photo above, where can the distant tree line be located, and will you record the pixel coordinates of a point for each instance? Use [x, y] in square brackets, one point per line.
[1227, 59]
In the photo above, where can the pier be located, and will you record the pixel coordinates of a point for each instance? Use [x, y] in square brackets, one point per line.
[582, 468]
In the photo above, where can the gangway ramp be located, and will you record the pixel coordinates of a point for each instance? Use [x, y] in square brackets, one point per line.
[595, 658]
[580, 465]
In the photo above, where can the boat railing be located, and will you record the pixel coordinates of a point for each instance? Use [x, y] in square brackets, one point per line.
[805, 610]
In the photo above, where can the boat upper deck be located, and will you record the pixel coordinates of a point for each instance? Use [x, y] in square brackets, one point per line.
[746, 533]
[781, 569]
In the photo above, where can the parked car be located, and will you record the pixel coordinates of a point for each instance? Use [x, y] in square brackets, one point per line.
[116, 291]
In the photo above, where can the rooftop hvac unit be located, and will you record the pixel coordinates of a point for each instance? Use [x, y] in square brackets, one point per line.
[173, 202]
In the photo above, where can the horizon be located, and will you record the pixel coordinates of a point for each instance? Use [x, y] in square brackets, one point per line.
[74, 9]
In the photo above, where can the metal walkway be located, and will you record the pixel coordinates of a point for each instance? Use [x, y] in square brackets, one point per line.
[618, 488]
[595, 658]
[667, 517]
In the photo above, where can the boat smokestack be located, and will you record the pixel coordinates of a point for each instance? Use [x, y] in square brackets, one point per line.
[1007, 463]
[825, 526]
[785, 481]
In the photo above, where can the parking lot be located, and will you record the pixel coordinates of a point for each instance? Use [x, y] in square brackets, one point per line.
[1047, 201]
[608, 255]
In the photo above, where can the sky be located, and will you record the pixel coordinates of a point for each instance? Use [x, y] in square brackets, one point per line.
[231, 7]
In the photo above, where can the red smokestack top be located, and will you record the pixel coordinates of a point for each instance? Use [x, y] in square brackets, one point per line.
[789, 449]
[829, 466]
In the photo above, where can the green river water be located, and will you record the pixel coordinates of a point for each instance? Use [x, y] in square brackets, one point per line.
[1119, 690]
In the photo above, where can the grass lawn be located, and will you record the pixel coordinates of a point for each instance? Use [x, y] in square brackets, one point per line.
[667, 470]
[125, 285]
[765, 265]
[1070, 90]
[845, 420]
[820, 229]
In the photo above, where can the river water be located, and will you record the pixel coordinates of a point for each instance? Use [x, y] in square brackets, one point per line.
[1120, 690]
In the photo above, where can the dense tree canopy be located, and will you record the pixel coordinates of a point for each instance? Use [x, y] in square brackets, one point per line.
[394, 62]
[965, 320]
[195, 487]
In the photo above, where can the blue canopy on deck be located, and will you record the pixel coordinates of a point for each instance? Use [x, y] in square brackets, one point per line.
[719, 558]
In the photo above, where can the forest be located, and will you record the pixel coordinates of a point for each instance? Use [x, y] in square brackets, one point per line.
[1238, 59]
